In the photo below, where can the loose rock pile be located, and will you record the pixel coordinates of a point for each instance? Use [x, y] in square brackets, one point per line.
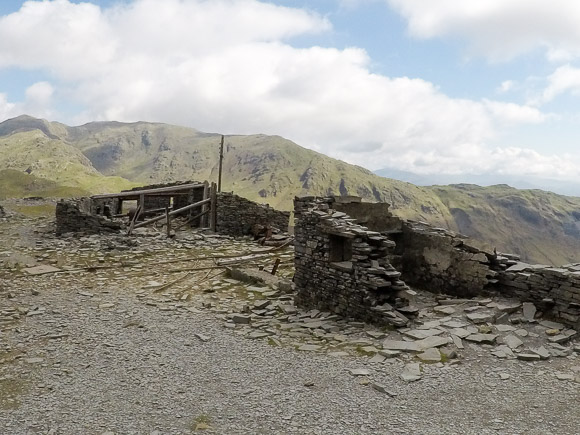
[76, 216]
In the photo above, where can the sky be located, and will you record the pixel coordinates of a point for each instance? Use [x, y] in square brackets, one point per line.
[478, 87]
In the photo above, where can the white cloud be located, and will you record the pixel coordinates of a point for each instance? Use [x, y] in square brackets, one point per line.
[228, 66]
[511, 113]
[39, 93]
[565, 79]
[499, 29]
[37, 102]
[6, 108]
[506, 86]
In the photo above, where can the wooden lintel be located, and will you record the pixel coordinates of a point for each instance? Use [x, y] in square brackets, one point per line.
[136, 193]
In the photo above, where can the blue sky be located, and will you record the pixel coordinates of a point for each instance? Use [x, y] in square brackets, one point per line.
[484, 87]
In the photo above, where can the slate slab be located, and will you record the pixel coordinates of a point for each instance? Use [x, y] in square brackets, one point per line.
[482, 338]
[39, 270]
[405, 346]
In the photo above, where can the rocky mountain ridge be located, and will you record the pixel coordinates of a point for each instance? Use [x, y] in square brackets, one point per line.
[107, 156]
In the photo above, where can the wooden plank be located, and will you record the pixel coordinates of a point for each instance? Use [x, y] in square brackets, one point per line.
[136, 193]
[168, 194]
[173, 213]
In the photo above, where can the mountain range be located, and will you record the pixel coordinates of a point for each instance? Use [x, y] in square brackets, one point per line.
[41, 158]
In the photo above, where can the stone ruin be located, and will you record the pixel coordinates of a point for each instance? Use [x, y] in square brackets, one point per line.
[343, 267]
[80, 215]
[355, 259]
[232, 214]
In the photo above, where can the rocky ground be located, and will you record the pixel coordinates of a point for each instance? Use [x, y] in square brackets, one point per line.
[148, 335]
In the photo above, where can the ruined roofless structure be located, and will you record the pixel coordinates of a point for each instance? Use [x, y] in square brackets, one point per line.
[199, 203]
[356, 259]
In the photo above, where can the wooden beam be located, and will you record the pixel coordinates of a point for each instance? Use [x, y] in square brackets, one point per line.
[132, 226]
[136, 193]
[173, 213]
[168, 194]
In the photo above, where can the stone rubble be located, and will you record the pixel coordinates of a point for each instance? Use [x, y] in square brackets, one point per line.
[427, 347]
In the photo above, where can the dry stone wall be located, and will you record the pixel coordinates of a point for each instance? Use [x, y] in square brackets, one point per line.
[77, 215]
[440, 261]
[343, 267]
[554, 290]
[237, 216]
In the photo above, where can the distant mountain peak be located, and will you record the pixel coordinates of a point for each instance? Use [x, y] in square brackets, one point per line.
[24, 123]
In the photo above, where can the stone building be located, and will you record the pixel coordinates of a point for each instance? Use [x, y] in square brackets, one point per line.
[356, 271]
[231, 214]
[343, 267]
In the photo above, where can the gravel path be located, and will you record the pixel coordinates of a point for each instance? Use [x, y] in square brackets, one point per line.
[134, 369]
[99, 358]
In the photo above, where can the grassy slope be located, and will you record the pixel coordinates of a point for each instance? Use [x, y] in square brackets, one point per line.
[18, 184]
[540, 226]
[52, 159]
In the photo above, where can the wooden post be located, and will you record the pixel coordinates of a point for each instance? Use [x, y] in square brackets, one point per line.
[275, 268]
[168, 221]
[190, 199]
[213, 208]
[219, 186]
[205, 209]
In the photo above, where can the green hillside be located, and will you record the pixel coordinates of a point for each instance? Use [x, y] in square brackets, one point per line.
[18, 184]
[110, 156]
[38, 151]
[540, 226]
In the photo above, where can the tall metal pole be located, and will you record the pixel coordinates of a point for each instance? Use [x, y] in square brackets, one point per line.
[219, 186]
